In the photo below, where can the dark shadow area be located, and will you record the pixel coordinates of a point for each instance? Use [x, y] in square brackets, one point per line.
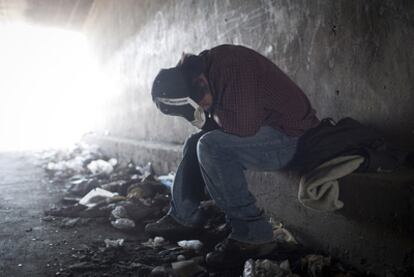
[383, 200]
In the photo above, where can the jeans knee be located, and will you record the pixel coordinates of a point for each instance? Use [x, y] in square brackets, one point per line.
[206, 146]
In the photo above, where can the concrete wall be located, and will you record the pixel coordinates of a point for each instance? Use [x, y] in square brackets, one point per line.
[352, 58]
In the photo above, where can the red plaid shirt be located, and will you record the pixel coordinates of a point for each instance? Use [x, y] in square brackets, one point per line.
[249, 91]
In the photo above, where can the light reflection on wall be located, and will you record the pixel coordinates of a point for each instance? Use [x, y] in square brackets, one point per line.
[50, 87]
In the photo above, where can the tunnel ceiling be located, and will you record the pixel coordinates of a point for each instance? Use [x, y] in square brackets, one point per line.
[69, 14]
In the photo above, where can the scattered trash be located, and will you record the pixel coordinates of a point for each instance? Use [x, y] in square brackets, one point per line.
[146, 192]
[102, 167]
[264, 268]
[145, 170]
[81, 187]
[158, 241]
[114, 243]
[76, 165]
[167, 180]
[119, 212]
[195, 245]
[137, 192]
[155, 242]
[281, 234]
[70, 200]
[115, 186]
[104, 190]
[123, 224]
[95, 197]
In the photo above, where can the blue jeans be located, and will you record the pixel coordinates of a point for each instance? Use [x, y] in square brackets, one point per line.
[217, 160]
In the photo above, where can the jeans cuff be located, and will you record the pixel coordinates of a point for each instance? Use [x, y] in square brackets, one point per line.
[195, 220]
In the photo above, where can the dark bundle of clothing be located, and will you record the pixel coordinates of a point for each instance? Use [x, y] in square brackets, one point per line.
[346, 137]
[331, 151]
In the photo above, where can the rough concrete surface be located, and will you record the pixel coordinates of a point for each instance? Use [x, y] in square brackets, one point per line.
[373, 231]
[352, 58]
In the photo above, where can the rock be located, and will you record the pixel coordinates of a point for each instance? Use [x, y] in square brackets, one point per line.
[100, 210]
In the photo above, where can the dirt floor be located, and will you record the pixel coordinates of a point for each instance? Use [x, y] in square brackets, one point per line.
[31, 244]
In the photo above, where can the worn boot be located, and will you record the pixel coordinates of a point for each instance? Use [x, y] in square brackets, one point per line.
[170, 229]
[233, 253]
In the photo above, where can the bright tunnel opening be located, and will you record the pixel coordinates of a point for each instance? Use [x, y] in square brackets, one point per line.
[50, 87]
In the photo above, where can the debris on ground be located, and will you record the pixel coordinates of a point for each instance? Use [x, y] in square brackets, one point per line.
[155, 242]
[123, 224]
[195, 245]
[265, 268]
[95, 197]
[114, 243]
[167, 180]
[126, 196]
[102, 167]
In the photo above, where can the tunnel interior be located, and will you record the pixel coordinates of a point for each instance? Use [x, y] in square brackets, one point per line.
[81, 71]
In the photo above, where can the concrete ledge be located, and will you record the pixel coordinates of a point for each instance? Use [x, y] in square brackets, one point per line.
[373, 232]
[164, 157]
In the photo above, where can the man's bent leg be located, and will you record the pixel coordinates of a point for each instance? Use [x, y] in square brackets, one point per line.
[223, 158]
[188, 187]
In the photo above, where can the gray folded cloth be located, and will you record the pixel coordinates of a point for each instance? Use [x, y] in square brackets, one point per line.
[319, 188]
